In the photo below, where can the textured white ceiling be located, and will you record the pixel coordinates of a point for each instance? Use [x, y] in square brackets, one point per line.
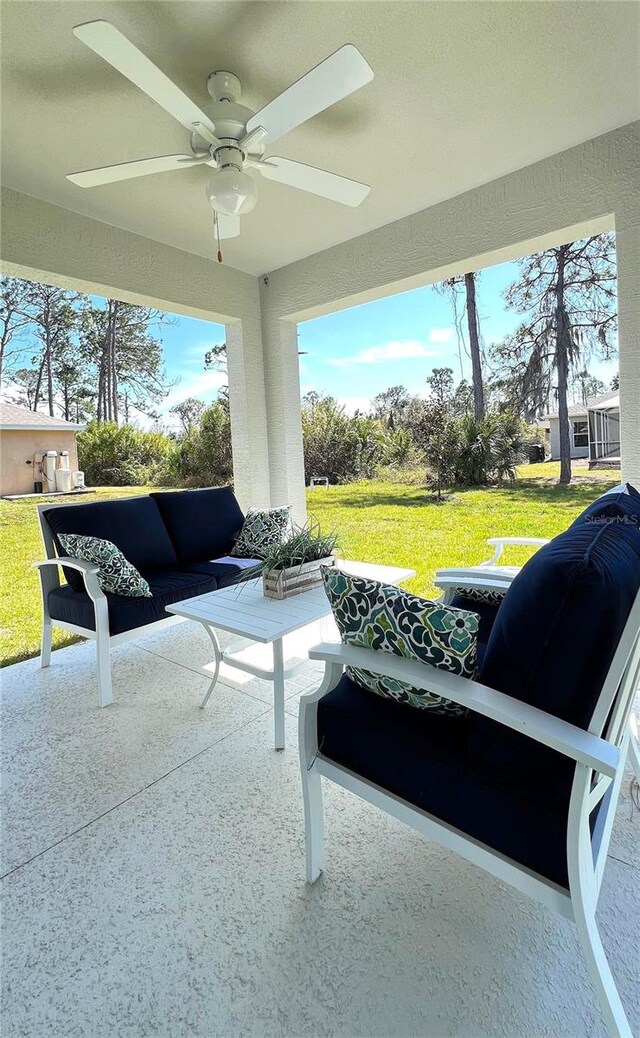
[463, 93]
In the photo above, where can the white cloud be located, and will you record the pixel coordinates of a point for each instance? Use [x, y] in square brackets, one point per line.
[402, 349]
[355, 403]
[204, 386]
[440, 334]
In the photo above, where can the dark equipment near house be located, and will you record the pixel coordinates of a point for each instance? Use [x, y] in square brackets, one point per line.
[536, 453]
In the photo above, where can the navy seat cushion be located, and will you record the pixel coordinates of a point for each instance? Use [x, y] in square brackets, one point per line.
[226, 570]
[125, 614]
[487, 612]
[202, 524]
[556, 631]
[134, 525]
[423, 758]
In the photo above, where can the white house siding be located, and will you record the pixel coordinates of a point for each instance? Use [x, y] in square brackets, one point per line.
[554, 439]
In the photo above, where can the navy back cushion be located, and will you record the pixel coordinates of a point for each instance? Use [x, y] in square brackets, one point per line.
[202, 524]
[622, 501]
[557, 629]
[133, 524]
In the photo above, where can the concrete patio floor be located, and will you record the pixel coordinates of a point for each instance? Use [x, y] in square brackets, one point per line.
[155, 880]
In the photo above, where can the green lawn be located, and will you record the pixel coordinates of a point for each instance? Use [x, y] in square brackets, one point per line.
[389, 523]
[403, 525]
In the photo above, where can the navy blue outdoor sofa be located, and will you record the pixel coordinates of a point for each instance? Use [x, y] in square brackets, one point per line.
[180, 542]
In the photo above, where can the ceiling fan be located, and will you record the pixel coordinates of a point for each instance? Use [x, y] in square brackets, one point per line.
[227, 135]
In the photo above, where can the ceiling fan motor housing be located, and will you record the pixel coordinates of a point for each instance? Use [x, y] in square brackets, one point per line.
[230, 120]
[224, 86]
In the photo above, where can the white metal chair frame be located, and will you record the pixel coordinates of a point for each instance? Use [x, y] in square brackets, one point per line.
[484, 572]
[49, 570]
[599, 753]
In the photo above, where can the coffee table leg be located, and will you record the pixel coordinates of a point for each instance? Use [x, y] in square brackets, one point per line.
[218, 656]
[278, 693]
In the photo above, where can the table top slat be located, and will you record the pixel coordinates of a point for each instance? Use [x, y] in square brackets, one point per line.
[244, 610]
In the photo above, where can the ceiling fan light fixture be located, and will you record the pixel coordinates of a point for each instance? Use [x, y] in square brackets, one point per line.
[232, 192]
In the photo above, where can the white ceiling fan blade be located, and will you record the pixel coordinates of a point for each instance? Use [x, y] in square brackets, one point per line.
[229, 226]
[110, 44]
[334, 78]
[129, 170]
[317, 181]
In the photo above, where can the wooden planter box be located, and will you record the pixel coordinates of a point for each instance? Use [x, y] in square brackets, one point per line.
[283, 583]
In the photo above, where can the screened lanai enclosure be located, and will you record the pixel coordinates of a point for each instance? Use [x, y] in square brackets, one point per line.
[604, 433]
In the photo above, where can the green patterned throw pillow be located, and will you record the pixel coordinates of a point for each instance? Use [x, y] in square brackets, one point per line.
[485, 596]
[372, 615]
[115, 573]
[262, 530]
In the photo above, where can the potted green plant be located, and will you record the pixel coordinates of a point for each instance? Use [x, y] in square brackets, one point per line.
[294, 566]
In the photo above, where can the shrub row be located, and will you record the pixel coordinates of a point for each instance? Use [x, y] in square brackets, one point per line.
[448, 450]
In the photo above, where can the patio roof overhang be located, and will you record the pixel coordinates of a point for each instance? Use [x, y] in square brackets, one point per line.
[460, 97]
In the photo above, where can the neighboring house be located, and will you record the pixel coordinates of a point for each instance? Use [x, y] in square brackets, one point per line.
[24, 437]
[594, 430]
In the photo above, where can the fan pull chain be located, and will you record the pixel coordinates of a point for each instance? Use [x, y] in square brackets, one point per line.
[216, 233]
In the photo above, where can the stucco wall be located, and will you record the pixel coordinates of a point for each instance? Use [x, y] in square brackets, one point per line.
[17, 447]
[43, 241]
[580, 191]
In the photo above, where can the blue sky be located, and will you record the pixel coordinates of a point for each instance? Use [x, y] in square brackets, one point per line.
[185, 344]
[355, 354]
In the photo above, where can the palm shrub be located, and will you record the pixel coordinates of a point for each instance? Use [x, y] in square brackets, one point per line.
[400, 450]
[473, 462]
[509, 447]
[488, 450]
[373, 445]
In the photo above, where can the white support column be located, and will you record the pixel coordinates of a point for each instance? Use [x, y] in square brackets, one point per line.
[282, 386]
[245, 368]
[628, 256]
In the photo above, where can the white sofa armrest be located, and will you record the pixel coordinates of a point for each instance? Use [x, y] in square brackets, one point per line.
[544, 728]
[49, 577]
[498, 545]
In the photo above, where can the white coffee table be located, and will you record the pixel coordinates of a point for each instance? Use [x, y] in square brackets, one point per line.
[244, 611]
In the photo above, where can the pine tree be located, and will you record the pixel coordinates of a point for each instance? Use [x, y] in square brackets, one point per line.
[128, 359]
[567, 296]
[51, 318]
[13, 323]
[452, 285]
